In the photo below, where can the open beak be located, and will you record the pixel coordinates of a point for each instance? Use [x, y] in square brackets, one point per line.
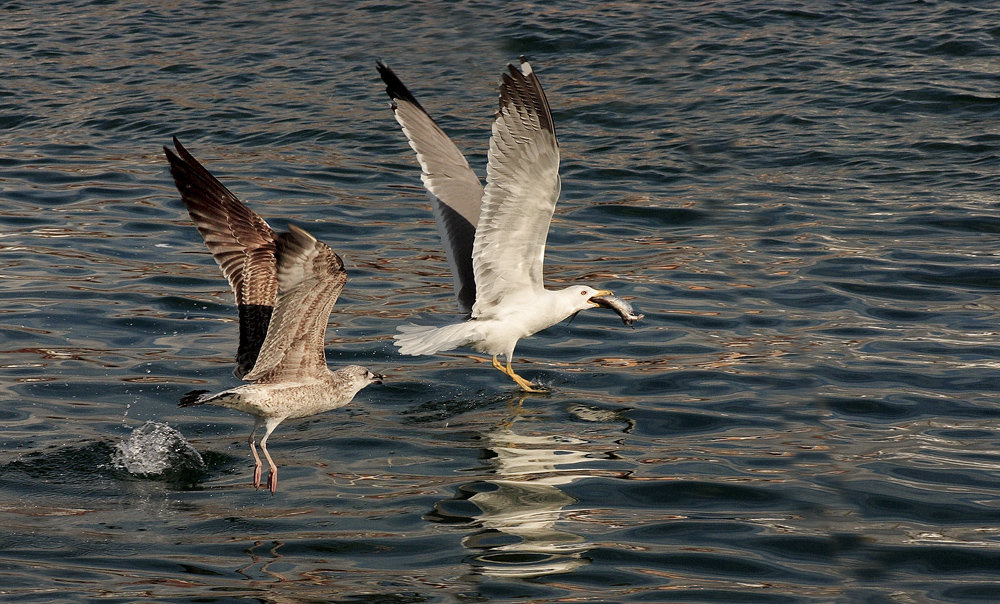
[602, 293]
[377, 378]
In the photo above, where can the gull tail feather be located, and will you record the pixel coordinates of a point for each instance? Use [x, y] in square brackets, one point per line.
[199, 397]
[194, 397]
[415, 340]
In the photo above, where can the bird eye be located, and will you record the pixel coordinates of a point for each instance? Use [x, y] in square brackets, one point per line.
[583, 292]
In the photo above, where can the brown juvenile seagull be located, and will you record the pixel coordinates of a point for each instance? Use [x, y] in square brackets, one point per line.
[286, 285]
[494, 237]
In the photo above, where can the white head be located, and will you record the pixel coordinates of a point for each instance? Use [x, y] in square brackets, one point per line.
[577, 297]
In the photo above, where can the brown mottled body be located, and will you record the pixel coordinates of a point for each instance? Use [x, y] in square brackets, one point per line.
[273, 402]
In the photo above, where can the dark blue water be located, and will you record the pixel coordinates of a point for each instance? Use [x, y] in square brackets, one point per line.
[800, 196]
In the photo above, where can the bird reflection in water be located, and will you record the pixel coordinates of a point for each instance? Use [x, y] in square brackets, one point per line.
[517, 512]
[256, 558]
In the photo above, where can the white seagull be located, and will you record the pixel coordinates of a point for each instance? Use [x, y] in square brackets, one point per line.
[286, 285]
[494, 237]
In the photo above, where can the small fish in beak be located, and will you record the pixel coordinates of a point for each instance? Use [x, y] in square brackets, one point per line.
[623, 308]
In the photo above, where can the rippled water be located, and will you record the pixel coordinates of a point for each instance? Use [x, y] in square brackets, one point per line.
[800, 196]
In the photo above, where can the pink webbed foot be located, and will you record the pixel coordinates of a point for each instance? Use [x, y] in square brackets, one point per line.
[256, 476]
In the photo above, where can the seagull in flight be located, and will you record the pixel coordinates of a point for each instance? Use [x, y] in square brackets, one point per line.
[494, 236]
[286, 285]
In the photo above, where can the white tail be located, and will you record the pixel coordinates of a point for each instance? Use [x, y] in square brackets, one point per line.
[416, 340]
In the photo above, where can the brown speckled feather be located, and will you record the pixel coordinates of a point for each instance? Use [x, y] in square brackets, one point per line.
[310, 278]
[240, 241]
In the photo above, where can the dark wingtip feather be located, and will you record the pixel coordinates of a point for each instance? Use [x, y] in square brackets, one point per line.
[524, 90]
[183, 166]
[195, 183]
[182, 151]
[394, 87]
[171, 155]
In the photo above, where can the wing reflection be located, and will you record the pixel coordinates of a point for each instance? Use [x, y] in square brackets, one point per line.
[517, 514]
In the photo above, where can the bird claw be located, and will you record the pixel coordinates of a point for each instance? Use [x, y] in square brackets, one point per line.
[520, 381]
[525, 384]
[529, 387]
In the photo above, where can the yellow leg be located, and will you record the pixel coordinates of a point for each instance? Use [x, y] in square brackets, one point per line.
[523, 383]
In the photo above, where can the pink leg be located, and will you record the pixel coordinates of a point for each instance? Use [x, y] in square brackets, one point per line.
[272, 468]
[272, 479]
[256, 458]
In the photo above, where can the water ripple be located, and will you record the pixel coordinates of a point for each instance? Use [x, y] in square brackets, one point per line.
[800, 198]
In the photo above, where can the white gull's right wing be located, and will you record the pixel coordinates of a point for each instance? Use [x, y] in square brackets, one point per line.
[522, 187]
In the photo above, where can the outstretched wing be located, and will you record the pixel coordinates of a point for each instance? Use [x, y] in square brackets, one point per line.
[522, 187]
[240, 241]
[454, 187]
[310, 278]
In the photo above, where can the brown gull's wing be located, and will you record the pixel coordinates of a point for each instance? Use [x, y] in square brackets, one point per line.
[310, 278]
[454, 188]
[241, 242]
[522, 187]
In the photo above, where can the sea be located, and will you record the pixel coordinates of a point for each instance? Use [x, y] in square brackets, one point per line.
[800, 196]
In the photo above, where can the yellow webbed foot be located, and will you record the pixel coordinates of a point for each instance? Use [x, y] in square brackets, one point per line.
[523, 383]
[520, 381]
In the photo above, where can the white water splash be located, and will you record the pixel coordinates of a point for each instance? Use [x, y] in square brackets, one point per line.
[156, 449]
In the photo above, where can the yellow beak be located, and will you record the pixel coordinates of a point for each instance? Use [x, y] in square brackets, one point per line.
[603, 292]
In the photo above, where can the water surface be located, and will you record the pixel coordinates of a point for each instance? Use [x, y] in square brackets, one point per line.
[799, 196]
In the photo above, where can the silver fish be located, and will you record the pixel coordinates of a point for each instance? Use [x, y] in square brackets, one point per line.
[623, 308]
